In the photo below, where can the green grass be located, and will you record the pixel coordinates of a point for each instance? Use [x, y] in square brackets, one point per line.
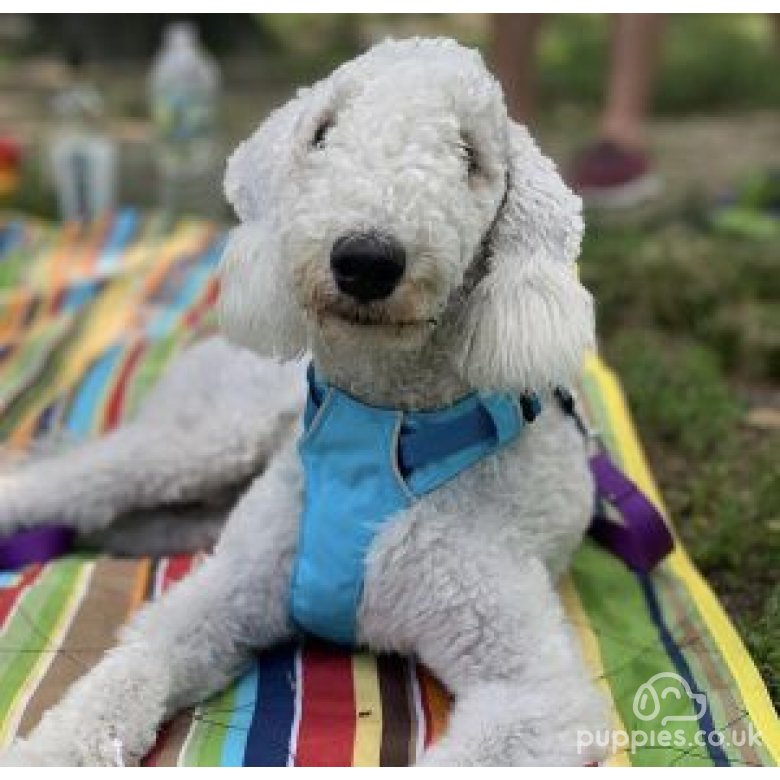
[673, 304]
[679, 278]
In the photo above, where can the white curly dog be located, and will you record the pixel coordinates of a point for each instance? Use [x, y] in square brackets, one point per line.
[396, 224]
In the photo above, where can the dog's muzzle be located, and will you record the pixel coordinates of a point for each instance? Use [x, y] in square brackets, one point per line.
[367, 266]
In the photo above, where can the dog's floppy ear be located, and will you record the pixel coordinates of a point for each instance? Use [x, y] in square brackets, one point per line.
[529, 320]
[256, 308]
[260, 164]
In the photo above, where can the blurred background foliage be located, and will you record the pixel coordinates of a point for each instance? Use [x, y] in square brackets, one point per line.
[711, 62]
[690, 317]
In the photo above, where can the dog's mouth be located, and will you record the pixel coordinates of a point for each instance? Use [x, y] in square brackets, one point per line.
[366, 319]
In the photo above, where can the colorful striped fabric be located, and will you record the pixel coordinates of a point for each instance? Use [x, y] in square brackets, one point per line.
[88, 319]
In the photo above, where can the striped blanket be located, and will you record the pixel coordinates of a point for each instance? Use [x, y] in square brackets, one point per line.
[88, 319]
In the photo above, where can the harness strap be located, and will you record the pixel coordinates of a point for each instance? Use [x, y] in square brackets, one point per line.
[438, 440]
[492, 419]
[485, 421]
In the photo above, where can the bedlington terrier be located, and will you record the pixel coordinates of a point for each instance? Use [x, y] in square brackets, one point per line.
[399, 227]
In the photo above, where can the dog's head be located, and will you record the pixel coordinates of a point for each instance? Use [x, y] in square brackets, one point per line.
[396, 198]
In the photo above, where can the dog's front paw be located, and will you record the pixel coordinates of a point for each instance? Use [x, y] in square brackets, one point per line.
[501, 725]
[499, 748]
[23, 753]
[532, 747]
[35, 752]
[97, 750]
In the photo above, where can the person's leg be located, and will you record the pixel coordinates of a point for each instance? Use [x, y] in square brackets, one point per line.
[635, 45]
[514, 39]
[616, 172]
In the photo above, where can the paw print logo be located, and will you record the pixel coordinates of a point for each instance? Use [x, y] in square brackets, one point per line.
[664, 686]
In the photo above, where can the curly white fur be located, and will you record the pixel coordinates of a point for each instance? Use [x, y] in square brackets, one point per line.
[416, 144]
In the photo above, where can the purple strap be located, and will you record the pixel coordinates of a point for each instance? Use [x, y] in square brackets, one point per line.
[36, 545]
[643, 539]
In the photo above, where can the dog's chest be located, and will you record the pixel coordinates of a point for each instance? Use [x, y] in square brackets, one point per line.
[362, 466]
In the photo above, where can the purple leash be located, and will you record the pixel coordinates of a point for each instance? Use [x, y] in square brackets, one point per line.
[643, 539]
[35, 545]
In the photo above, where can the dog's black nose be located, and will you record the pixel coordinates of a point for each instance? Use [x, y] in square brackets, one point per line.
[367, 266]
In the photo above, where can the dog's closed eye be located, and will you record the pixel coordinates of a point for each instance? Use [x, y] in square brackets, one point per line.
[321, 133]
[470, 156]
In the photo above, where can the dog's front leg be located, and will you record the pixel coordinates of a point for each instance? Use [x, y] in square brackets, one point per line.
[493, 631]
[189, 644]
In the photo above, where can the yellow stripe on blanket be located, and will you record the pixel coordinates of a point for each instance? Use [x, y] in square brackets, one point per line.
[368, 704]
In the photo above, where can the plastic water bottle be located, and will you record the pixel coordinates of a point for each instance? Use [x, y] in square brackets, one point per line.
[184, 92]
[83, 156]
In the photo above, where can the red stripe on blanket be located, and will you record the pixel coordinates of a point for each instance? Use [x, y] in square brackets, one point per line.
[174, 569]
[326, 736]
[426, 708]
[179, 566]
[56, 300]
[153, 756]
[208, 299]
[116, 399]
[9, 596]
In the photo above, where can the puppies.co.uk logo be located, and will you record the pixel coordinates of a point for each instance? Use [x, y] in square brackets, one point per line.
[652, 695]
[664, 699]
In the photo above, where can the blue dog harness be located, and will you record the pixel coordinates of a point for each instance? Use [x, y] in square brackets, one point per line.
[363, 464]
